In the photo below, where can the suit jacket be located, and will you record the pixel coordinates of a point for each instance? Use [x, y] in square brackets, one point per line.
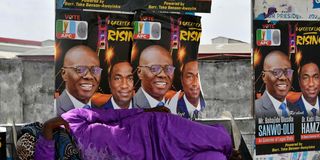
[302, 107]
[140, 100]
[265, 108]
[182, 108]
[64, 103]
[108, 105]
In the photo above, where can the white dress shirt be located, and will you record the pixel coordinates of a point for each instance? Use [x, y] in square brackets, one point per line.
[115, 105]
[276, 104]
[76, 103]
[152, 102]
[309, 106]
[190, 106]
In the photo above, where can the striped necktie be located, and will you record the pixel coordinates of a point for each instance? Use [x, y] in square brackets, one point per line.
[195, 114]
[283, 109]
[314, 111]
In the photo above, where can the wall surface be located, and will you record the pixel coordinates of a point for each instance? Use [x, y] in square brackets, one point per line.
[10, 90]
[26, 90]
[38, 87]
[227, 87]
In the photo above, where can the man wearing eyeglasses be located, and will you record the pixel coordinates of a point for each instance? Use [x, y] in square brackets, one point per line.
[121, 85]
[156, 72]
[190, 104]
[310, 86]
[277, 76]
[81, 74]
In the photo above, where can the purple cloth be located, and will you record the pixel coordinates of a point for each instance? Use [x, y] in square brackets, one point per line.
[45, 150]
[134, 134]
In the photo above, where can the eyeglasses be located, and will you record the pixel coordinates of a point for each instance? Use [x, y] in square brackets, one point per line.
[83, 70]
[278, 72]
[156, 69]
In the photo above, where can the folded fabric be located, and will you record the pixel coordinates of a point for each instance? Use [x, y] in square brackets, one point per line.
[135, 134]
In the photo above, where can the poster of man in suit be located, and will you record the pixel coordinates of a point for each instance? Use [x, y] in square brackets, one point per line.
[286, 70]
[164, 47]
[155, 46]
[108, 37]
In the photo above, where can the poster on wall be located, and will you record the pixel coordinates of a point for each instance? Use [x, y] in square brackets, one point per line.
[98, 60]
[107, 35]
[176, 77]
[181, 6]
[286, 64]
[286, 10]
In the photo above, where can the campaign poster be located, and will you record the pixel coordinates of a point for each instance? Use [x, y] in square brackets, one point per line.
[286, 63]
[109, 35]
[181, 6]
[180, 36]
[286, 9]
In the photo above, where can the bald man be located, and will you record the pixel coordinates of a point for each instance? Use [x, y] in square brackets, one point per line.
[277, 76]
[81, 74]
[156, 72]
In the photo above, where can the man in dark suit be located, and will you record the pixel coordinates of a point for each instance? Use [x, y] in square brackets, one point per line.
[120, 79]
[190, 104]
[81, 74]
[310, 86]
[277, 76]
[156, 72]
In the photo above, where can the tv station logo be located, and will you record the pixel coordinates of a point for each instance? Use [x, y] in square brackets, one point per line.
[147, 30]
[71, 29]
[268, 37]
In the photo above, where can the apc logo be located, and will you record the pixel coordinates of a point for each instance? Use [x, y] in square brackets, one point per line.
[147, 30]
[268, 37]
[70, 29]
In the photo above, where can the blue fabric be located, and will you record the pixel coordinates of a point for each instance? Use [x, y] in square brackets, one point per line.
[65, 146]
[33, 129]
[64, 143]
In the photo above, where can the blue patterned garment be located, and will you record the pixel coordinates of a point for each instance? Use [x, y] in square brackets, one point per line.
[65, 147]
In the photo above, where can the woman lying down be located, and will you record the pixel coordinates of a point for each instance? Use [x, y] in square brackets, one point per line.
[135, 134]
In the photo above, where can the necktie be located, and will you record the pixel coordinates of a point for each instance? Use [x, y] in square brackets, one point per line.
[283, 109]
[160, 104]
[86, 106]
[314, 111]
[195, 114]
